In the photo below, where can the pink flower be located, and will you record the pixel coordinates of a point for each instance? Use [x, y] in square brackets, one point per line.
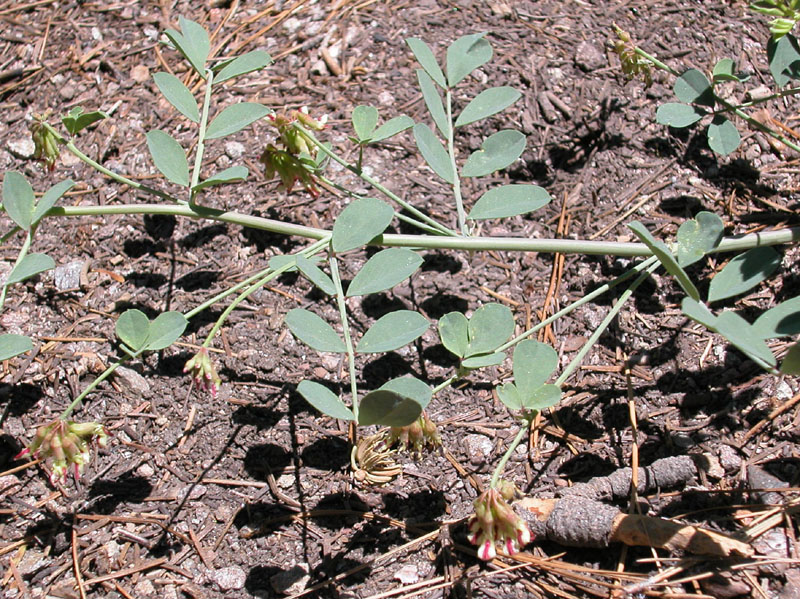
[67, 443]
[495, 521]
[203, 372]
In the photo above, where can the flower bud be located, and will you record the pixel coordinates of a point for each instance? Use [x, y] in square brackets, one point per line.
[496, 522]
[419, 435]
[45, 142]
[203, 372]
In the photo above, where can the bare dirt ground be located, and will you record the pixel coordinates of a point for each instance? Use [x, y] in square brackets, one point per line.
[249, 494]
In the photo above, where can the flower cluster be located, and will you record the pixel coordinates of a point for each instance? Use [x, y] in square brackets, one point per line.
[67, 443]
[420, 434]
[203, 372]
[293, 159]
[45, 142]
[632, 63]
[494, 521]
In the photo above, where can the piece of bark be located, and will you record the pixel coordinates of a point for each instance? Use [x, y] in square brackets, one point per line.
[576, 521]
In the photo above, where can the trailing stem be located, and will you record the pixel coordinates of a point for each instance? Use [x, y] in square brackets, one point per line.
[348, 341]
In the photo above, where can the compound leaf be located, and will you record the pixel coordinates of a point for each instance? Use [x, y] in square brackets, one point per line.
[509, 200]
[29, 266]
[743, 272]
[392, 331]
[313, 331]
[168, 156]
[465, 55]
[384, 270]
[359, 223]
[488, 102]
[322, 398]
[433, 152]
[784, 59]
[497, 152]
[76, 121]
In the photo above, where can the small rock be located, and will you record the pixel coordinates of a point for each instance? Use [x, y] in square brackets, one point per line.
[385, 98]
[783, 391]
[22, 148]
[407, 574]
[228, 579]
[68, 276]
[145, 470]
[234, 149]
[479, 447]
[195, 492]
[140, 73]
[589, 57]
[291, 581]
[729, 458]
[143, 588]
[67, 92]
[132, 382]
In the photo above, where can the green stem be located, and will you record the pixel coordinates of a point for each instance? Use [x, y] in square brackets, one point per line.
[451, 151]
[624, 297]
[268, 276]
[201, 136]
[348, 341]
[90, 387]
[656, 62]
[509, 452]
[385, 191]
[445, 384]
[472, 244]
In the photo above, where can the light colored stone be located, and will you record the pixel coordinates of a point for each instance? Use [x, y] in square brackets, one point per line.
[132, 382]
[228, 579]
[140, 73]
[143, 588]
[68, 276]
[234, 149]
[22, 147]
[408, 574]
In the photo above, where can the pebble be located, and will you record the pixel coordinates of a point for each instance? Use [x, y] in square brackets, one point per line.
[729, 459]
[234, 149]
[132, 382]
[291, 581]
[68, 276]
[67, 92]
[478, 447]
[143, 588]
[589, 57]
[783, 391]
[22, 147]
[229, 579]
[145, 470]
[407, 574]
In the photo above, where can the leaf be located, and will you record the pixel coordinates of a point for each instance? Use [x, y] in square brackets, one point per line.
[742, 335]
[791, 363]
[18, 199]
[497, 152]
[723, 137]
[277, 262]
[533, 364]
[484, 360]
[387, 408]
[488, 102]
[780, 321]
[392, 331]
[694, 88]
[169, 157]
[433, 102]
[365, 119]
[743, 272]
[49, 199]
[784, 59]
[510, 396]
[465, 55]
[229, 175]
[133, 329]
[241, 65]
[235, 118]
[509, 200]
[12, 345]
[384, 270]
[433, 152]
[698, 236]
[698, 312]
[313, 331]
[324, 400]
[359, 223]
[412, 388]
[165, 330]
[666, 258]
[178, 95]
[725, 70]
[454, 333]
[490, 326]
[76, 121]
[193, 43]
[392, 127]
[678, 115]
[315, 275]
[31, 265]
[544, 397]
[427, 60]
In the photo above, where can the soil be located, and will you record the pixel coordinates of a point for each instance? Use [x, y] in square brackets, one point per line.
[250, 493]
